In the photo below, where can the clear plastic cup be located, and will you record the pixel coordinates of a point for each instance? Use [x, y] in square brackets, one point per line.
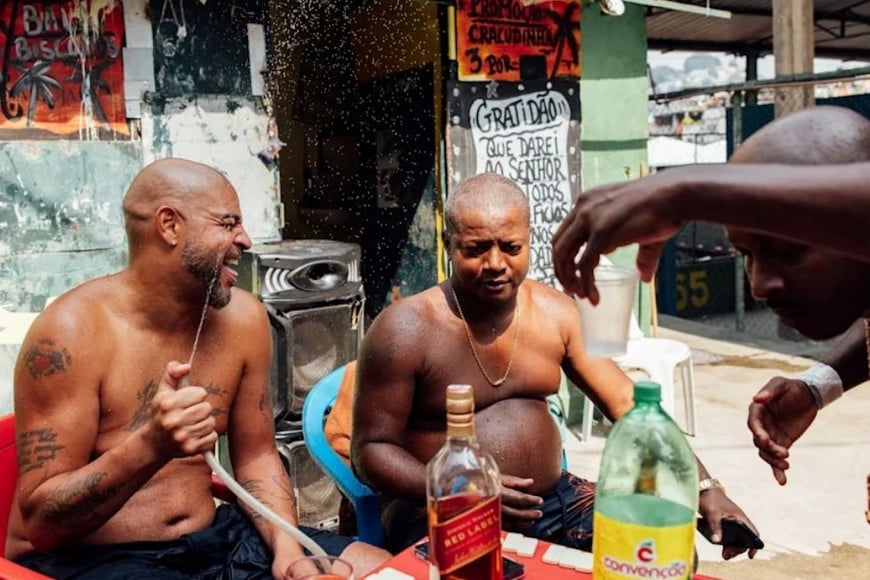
[319, 568]
[605, 326]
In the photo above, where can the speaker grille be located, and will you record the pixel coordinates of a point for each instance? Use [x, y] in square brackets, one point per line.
[318, 353]
[315, 342]
[317, 498]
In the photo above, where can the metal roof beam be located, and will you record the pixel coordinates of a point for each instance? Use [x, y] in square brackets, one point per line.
[736, 47]
[802, 79]
[830, 31]
[744, 47]
[846, 15]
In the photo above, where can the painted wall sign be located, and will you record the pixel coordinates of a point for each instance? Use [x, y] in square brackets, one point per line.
[508, 40]
[528, 133]
[62, 69]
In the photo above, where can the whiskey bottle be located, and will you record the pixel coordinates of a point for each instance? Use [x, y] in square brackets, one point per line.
[463, 499]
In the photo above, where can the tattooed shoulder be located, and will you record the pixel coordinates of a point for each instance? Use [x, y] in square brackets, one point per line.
[45, 358]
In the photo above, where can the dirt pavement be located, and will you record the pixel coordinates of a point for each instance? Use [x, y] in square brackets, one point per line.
[814, 527]
[842, 562]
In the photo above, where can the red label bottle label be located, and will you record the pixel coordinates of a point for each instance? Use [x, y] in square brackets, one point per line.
[467, 536]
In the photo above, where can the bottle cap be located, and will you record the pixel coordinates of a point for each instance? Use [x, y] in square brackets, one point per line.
[460, 409]
[647, 392]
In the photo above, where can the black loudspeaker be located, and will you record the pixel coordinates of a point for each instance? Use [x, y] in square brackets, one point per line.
[314, 296]
[301, 272]
[308, 344]
[318, 500]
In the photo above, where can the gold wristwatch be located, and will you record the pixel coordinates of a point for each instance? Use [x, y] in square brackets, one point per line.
[710, 483]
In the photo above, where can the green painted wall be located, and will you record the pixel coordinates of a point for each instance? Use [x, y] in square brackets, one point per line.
[614, 103]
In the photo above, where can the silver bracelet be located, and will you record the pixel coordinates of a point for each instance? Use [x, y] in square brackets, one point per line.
[824, 383]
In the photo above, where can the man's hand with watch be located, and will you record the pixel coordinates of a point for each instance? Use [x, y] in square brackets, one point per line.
[714, 506]
[710, 483]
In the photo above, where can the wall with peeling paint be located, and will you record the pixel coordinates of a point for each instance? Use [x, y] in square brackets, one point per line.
[227, 133]
[60, 215]
[417, 268]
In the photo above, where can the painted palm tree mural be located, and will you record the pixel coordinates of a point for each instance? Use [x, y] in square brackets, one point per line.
[567, 24]
[61, 67]
[36, 82]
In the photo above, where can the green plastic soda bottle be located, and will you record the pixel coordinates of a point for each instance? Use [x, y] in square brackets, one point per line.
[647, 496]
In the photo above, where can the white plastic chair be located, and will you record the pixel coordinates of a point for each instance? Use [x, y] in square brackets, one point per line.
[660, 359]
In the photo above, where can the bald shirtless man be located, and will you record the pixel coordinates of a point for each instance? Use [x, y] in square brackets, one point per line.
[490, 327]
[815, 290]
[795, 198]
[112, 481]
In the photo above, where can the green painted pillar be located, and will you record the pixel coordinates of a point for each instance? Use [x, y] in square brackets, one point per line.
[614, 101]
[614, 106]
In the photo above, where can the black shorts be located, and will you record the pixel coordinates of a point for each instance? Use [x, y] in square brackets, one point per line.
[229, 549]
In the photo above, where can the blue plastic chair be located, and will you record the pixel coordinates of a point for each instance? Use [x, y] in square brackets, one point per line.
[366, 503]
[557, 410]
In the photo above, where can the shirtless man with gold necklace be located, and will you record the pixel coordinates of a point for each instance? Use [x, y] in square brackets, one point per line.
[509, 337]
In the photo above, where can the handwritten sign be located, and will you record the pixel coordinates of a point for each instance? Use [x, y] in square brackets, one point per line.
[533, 139]
[62, 68]
[508, 40]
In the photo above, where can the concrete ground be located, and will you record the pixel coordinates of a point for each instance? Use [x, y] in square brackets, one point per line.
[814, 527]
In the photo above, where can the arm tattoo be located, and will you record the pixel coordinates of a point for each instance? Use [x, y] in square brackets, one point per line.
[36, 449]
[44, 359]
[215, 391]
[74, 504]
[284, 485]
[255, 488]
[143, 411]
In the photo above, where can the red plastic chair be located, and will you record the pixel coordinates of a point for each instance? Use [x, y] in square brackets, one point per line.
[8, 479]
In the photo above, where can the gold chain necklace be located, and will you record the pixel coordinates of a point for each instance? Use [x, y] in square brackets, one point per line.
[474, 350]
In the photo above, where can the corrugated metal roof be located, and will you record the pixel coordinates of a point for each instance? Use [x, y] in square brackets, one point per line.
[842, 28]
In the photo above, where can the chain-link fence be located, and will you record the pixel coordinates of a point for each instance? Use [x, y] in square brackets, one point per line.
[701, 276]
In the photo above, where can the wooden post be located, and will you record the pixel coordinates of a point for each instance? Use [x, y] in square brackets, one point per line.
[793, 51]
